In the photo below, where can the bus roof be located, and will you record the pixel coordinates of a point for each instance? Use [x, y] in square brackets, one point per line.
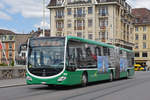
[89, 41]
[126, 50]
[96, 43]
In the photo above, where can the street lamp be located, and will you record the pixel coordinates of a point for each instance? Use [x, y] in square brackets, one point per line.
[43, 18]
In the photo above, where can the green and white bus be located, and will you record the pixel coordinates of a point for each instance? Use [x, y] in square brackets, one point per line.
[72, 60]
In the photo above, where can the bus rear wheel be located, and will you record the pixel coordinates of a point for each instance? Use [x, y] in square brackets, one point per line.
[84, 80]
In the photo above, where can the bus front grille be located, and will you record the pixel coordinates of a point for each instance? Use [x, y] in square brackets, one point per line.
[45, 72]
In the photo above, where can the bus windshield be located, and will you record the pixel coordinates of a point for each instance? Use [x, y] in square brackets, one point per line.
[48, 55]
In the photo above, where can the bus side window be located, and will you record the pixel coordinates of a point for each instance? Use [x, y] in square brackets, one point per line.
[124, 54]
[111, 51]
[71, 56]
[132, 59]
[105, 51]
[79, 54]
[121, 53]
[88, 52]
[108, 51]
[71, 53]
[97, 51]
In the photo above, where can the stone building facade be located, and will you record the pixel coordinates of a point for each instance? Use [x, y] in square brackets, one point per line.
[108, 21]
[7, 52]
[142, 35]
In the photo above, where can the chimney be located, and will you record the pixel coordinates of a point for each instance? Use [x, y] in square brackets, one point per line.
[39, 29]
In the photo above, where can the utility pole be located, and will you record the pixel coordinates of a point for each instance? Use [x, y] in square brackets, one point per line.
[43, 18]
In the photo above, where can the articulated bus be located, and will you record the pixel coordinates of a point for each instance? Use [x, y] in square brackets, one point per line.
[72, 60]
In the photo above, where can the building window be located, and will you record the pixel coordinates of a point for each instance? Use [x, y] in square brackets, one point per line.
[103, 23]
[59, 24]
[137, 54]
[10, 54]
[59, 34]
[144, 45]
[23, 55]
[59, 13]
[69, 24]
[144, 54]
[136, 37]
[79, 24]
[4, 38]
[103, 36]
[69, 11]
[69, 33]
[90, 21]
[79, 34]
[10, 45]
[90, 36]
[144, 36]
[90, 10]
[103, 11]
[136, 29]
[137, 20]
[136, 46]
[144, 28]
[11, 37]
[79, 11]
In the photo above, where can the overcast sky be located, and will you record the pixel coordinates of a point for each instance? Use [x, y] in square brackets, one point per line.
[23, 16]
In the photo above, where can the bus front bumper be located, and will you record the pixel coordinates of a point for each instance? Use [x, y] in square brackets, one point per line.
[60, 80]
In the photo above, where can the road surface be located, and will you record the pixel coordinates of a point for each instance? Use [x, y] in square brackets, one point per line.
[136, 88]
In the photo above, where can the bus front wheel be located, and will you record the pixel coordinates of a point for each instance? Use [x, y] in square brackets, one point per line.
[84, 80]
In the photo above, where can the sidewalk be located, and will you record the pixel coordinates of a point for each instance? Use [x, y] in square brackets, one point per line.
[12, 83]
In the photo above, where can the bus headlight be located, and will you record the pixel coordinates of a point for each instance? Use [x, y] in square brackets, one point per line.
[29, 78]
[61, 79]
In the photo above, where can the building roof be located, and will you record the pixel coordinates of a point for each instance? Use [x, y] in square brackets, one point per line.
[21, 39]
[6, 32]
[39, 31]
[142, 15]
[52, 3]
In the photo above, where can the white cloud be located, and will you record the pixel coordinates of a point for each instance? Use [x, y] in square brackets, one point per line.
[4, 16]
[28, 8]
[1, 6]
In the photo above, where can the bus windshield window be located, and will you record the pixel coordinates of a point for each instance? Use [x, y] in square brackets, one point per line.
[46, 53]
[46, 57]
